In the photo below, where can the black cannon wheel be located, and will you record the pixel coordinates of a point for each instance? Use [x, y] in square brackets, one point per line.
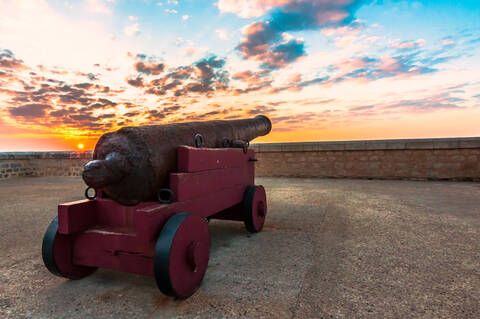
[57, 254]
[254, 208]
[181, 255]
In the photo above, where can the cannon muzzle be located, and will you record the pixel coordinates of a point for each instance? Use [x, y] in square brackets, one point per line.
[100, 173]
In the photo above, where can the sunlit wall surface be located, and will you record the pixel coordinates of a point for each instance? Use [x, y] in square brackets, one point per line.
[321, 70]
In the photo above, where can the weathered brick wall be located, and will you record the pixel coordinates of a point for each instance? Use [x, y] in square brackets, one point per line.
[437, 159]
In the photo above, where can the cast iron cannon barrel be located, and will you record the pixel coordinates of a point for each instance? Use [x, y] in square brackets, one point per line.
[132, 164]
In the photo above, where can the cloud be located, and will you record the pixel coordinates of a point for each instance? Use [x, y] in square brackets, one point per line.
[362, 108]
[149, 68]
[408, 45]
[171, 11]
[292, 121]
[47, 98]
[132, 30]
[209, 75]
[29, 111]
[265, 42]
[164, 112]
[443, 100]
[8, 60]
[249, 8]
[222, 34]
[256, 46]
[189, 51]
[448, 41]
[192, 51]
[352, 28]
[201, 77]
[255, 81]
[102, 103]
[185, 17]
[52, 101]
[136, 82]
[251, 77]
[217, 112]
[316, 80]
[296, 84]
[282, 54]
[369, 68]
[372, 68]
[295, 78]
[261, 109]
[98, 6]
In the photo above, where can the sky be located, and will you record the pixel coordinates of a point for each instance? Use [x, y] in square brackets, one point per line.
[320, 70]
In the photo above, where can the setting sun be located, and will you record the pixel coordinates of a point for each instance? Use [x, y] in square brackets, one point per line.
[80, 146]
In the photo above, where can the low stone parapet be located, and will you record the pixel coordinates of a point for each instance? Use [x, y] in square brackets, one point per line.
[417, 159]
[18, 164]
[422, 159]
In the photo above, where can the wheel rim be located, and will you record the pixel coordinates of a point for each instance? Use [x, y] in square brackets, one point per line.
[181, 255]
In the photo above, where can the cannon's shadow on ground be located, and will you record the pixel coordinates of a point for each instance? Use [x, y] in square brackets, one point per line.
[223, 233]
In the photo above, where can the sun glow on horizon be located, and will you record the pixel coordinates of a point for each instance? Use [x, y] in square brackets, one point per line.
[80, 146]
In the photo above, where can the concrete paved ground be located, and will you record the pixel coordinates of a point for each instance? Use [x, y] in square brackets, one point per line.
[330, 249]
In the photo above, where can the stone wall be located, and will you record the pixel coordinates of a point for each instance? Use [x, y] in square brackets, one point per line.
[435, 159]
[416, 159]
[18, 164]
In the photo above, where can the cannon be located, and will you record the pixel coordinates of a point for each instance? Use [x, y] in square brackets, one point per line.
[132, 164]
[194, 172]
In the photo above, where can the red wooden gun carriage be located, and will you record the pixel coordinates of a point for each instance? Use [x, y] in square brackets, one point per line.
[167, 239]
